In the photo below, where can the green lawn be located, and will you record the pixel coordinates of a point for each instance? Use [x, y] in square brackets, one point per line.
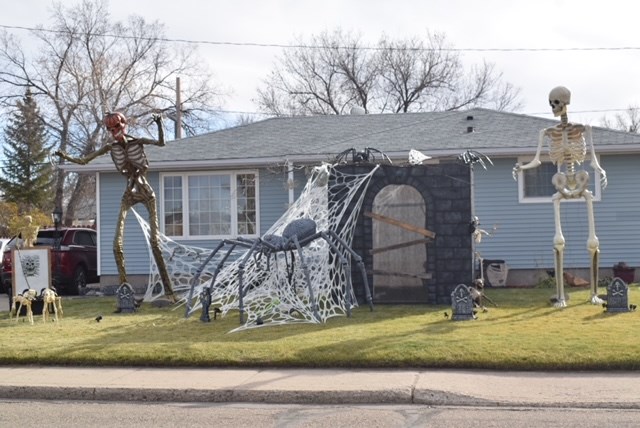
[523, 333]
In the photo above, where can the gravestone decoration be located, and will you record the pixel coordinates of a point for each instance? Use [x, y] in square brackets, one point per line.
[617, 296]
[205, 300]
[462, 304]
[126, 301]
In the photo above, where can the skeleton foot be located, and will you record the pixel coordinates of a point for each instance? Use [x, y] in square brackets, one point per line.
[559, 303]
[595, 300]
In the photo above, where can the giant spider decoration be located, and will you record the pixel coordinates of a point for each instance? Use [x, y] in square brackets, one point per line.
[366, 155]
[296, 235]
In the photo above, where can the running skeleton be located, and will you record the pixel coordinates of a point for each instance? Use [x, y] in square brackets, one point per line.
[567, 149]
[128, 156]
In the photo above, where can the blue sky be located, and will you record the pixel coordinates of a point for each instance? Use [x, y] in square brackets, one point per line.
[600, 80]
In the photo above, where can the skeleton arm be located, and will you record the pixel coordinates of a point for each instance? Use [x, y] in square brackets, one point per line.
[158, 120]
[536, 160]
[594, 159]
[85, 160]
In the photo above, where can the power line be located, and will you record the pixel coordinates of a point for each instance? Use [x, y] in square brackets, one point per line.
[293, 46]
[311, 46]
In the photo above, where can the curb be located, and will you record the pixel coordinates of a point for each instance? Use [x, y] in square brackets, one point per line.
[386, 397]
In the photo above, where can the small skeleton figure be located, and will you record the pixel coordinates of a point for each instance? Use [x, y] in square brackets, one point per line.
[128, 155]
[29, 232]
[567, 149]
[475, 231]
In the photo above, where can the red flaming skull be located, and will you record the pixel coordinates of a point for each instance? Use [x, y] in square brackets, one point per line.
[116, 123]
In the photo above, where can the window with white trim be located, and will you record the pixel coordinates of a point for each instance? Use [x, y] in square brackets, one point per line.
[534, 185]
[209, 205]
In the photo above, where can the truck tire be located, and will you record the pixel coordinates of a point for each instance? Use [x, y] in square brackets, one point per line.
[79, 281]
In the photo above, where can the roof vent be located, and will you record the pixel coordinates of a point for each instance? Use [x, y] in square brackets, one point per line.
[470, 129]
[357, 110]
[469, 117]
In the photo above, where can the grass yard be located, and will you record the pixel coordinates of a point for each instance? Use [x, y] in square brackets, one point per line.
[523, 333]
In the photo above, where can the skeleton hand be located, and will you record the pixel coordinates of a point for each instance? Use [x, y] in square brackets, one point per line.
[515, 171]
[603, 179]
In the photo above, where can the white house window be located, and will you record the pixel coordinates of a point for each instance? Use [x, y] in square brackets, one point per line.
[534, 185]
[208, 205]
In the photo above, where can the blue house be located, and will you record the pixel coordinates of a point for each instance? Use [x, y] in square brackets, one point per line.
[239, 181]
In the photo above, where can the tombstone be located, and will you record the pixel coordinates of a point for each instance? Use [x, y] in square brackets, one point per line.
[205, 300]
[126, 301]
[617, 296]
[462, 304]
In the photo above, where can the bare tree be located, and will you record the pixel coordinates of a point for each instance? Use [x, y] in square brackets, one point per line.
[325, 80]
[87, 65]
[335, 71]
[628, 121]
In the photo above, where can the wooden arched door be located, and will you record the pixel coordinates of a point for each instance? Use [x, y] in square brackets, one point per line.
[399, 245]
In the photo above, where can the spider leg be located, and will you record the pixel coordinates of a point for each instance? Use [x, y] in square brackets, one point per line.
[347, 270]
[241, 266]
[305, 269]
[360, 264]
[383, 154]
[343, 155]
[198, 273]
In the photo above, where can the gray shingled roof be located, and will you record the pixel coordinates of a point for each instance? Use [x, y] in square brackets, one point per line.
[317, 138]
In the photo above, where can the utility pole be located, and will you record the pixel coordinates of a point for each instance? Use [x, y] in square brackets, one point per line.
[178, 122]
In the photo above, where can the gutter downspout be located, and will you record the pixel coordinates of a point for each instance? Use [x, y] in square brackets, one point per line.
[290, 182]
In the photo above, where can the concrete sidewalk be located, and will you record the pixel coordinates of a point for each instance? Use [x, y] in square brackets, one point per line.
[619, 390]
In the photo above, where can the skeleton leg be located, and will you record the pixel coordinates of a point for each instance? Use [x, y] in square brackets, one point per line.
[45, 311]
[18, 310]
[558, 249]
[58, 303]
[118, 244]
[593, 245]
[29, 312]
[150, 203]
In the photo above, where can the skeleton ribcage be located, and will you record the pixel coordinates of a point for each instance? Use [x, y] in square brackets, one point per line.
[567, 151]
[129, 158]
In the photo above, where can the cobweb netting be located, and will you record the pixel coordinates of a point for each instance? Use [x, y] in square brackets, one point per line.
[276, 290]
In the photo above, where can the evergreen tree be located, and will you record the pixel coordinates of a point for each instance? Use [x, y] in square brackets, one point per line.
[27, 176]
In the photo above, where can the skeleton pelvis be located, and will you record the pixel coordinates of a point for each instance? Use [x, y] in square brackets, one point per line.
[572, 185]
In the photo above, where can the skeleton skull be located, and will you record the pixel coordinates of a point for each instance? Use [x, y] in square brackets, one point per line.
[116, 123]
[559, 99]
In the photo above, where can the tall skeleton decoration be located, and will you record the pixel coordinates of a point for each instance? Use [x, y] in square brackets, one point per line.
[567, 149]
[130, 160]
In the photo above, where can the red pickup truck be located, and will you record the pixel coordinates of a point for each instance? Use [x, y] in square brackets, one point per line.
[72, 266]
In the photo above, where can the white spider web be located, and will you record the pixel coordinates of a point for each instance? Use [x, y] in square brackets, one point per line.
[276, 289]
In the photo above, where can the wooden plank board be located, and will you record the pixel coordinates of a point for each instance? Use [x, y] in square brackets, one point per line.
[398, 246]
[401, 224]
[403, 274]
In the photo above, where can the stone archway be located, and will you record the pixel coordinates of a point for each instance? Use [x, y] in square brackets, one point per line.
[399, 255]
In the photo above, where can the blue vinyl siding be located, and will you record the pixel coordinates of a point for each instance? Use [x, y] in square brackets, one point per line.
[524, 235]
